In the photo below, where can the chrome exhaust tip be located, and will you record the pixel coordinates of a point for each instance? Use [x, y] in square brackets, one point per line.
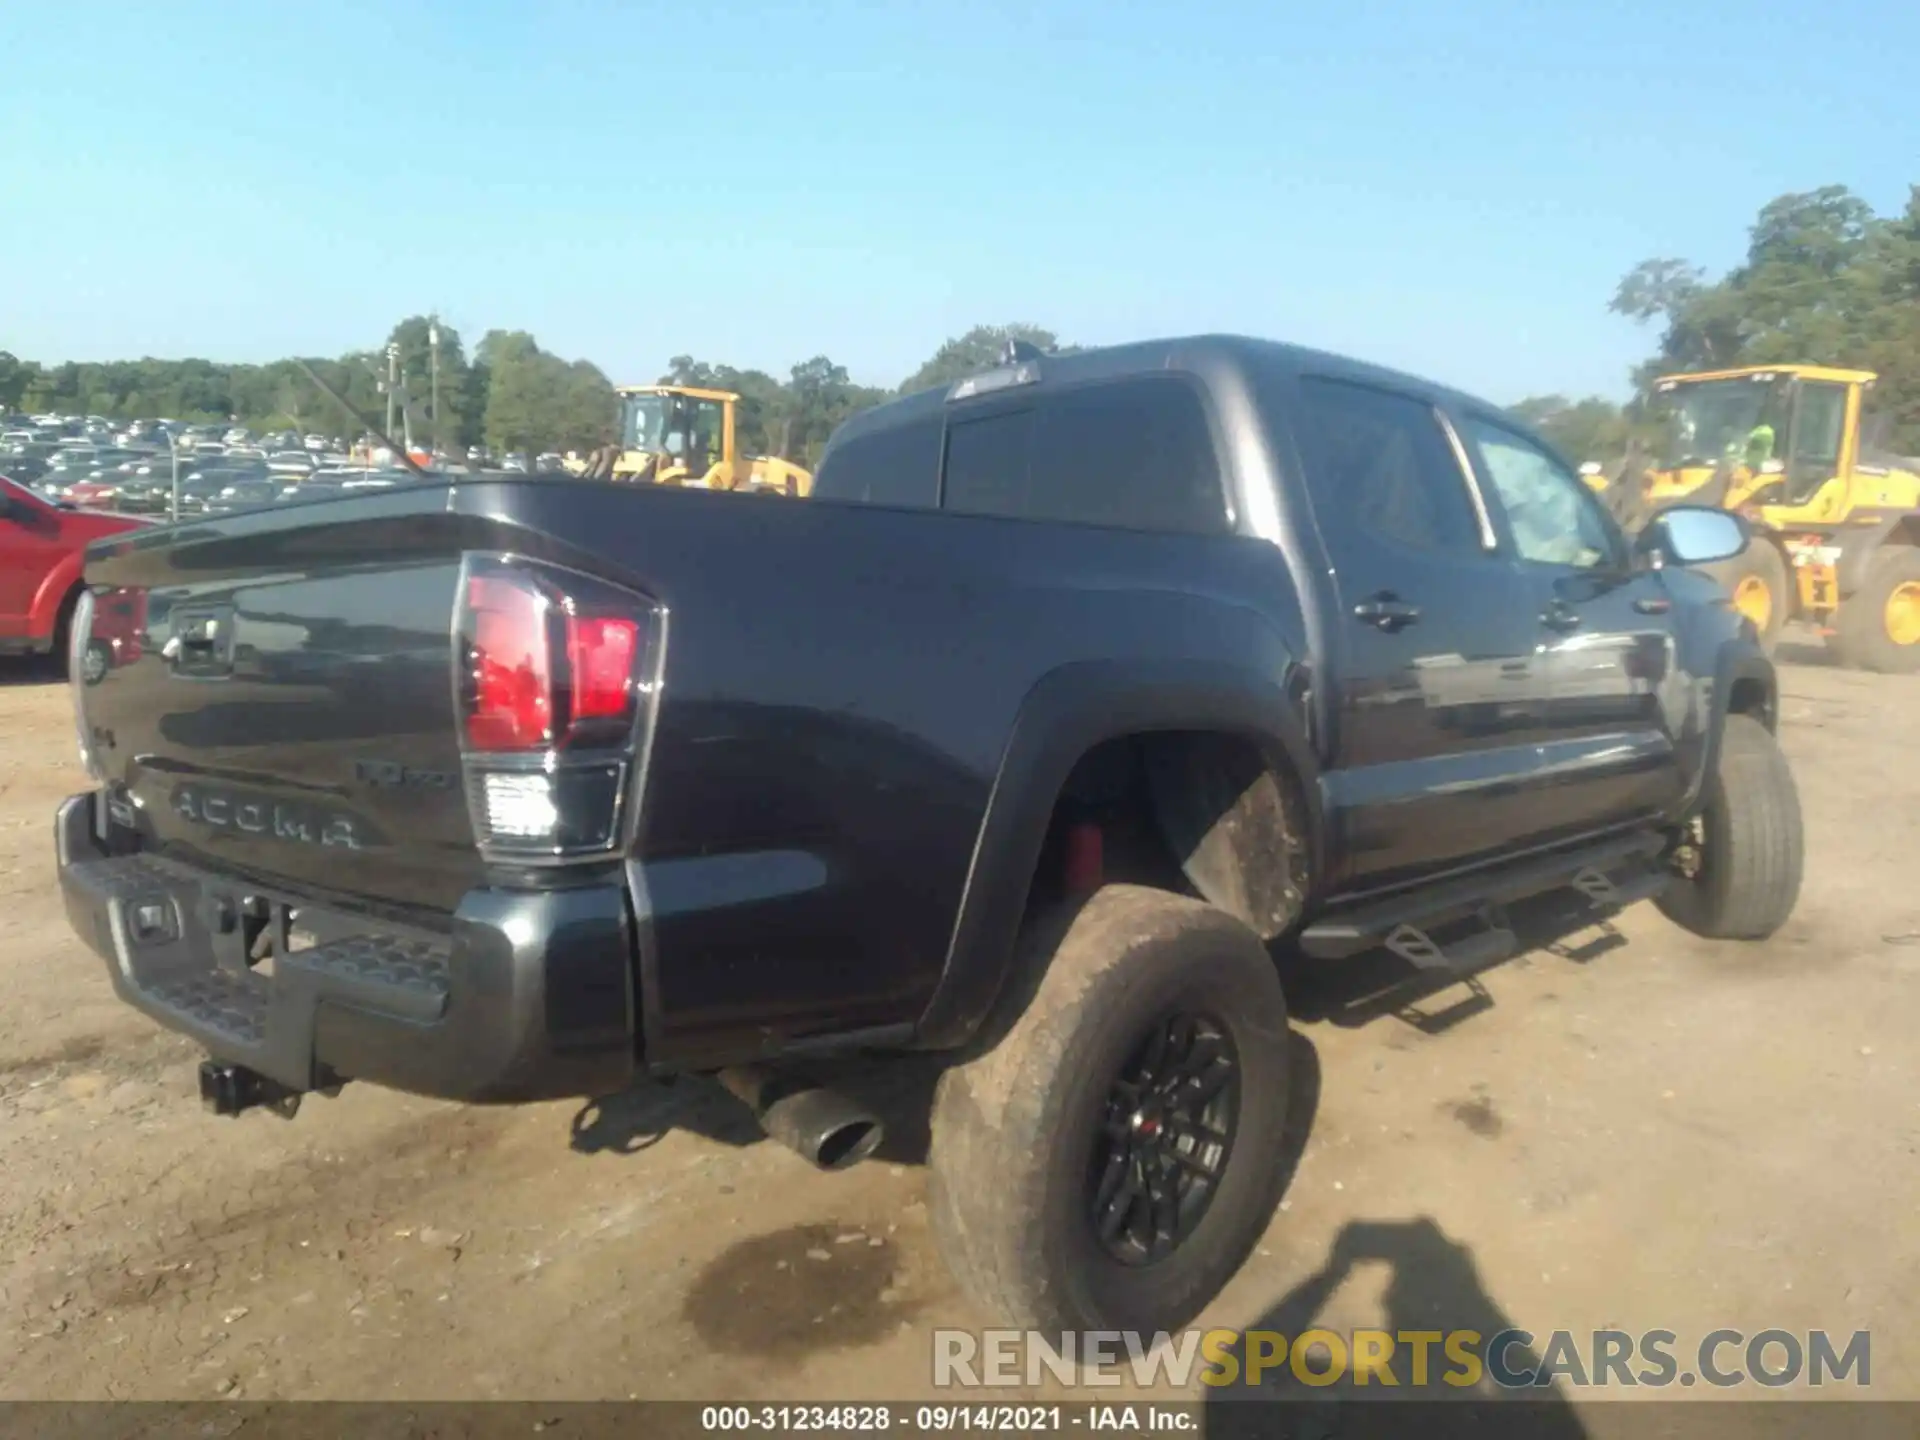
[825, 1128]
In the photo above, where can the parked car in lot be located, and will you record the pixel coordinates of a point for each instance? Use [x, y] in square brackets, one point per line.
[146, 494]
[1118, 672]
[201, 488]
[296, 462]
[246, 494]
[42, 550]
[97, 492]
[26, 469]
[228, 469]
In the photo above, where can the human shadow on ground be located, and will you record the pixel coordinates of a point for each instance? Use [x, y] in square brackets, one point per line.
[1434, 1291]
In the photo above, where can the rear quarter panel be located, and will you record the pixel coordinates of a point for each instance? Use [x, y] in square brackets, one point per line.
[840, 687]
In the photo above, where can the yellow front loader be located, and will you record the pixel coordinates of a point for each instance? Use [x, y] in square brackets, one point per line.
[679, 435]
[1836, 515]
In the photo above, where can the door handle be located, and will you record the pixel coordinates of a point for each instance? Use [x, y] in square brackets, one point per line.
[1560, 616]
[1386, 611]
[1653, 605]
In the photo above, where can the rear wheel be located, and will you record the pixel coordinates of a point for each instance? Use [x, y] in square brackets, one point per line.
[1112, 1160]
[1878, 627]
[1758, 580]
[1741, 857]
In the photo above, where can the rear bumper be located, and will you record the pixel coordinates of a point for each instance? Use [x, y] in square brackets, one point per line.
[530, 996]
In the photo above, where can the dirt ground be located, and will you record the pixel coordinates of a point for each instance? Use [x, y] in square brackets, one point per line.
[1642, 1132]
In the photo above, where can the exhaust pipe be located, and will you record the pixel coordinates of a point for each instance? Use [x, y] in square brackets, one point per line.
[822, 1126]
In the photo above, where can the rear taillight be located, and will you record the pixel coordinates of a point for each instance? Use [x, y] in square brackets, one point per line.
[557, 675]
[509, 660]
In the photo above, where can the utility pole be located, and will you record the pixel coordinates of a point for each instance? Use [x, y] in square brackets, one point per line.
[433, 383]
[393, 379]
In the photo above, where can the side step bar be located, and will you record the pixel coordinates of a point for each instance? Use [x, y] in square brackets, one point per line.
[1611, 875]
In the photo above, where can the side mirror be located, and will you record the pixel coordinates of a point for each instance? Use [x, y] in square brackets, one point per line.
[1693, 535]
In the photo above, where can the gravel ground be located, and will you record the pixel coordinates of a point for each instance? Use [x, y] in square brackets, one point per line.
[1635, 1130]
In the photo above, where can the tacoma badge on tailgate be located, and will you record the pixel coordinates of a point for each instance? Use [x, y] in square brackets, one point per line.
[283, 820]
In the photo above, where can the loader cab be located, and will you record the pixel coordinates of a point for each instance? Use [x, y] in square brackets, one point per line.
[1772, 435]
[677, 435]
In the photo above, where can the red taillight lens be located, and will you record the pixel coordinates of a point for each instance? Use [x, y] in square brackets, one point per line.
[601, 651]
[511, 706]
[552, 659]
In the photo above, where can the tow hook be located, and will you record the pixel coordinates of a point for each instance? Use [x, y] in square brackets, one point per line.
[234, 1089]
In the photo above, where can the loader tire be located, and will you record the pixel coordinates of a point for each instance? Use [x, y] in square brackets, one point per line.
[1750, 842]
[1760, 585]
[1142, 1092]
[1878, 627]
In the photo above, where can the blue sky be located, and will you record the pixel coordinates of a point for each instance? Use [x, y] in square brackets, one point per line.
[1451, 188]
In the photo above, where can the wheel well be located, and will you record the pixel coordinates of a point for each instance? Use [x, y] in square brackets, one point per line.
[1752, 697]
[1201, 812]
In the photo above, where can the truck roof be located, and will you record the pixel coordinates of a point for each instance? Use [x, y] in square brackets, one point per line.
[1231, 359]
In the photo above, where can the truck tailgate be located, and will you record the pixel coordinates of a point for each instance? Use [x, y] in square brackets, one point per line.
[272, 695]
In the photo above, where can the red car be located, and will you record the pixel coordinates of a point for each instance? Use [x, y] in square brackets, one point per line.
[42, 548]
[94, 494]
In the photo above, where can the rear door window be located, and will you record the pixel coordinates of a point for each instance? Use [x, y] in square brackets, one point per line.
[1136, 454]
[1380, 460]
[899, 465]
[989, 461]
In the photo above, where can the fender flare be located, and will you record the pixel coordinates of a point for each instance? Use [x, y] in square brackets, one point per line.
[1068, 712]
[43, 611]
[1739, 661]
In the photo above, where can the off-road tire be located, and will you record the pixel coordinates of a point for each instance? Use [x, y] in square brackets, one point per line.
[1014, 1128]
[1749, 875]
[1861, 638]
[1761, 561]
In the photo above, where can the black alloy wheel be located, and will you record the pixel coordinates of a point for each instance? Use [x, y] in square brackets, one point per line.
[1165, 1139]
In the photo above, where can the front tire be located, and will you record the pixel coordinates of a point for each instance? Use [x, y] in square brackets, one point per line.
[1878, 627]
[1746, 846]
[1111, 1161]
[1760, 585]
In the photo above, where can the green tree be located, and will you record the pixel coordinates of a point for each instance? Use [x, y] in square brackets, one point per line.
[979, 349]
[521, 394]
[1824, 281]
[414, 337]
[15, 378]
[1590, 429]
[588, 410]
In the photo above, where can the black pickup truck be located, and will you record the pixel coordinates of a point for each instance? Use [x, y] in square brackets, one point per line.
[1077, 697]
